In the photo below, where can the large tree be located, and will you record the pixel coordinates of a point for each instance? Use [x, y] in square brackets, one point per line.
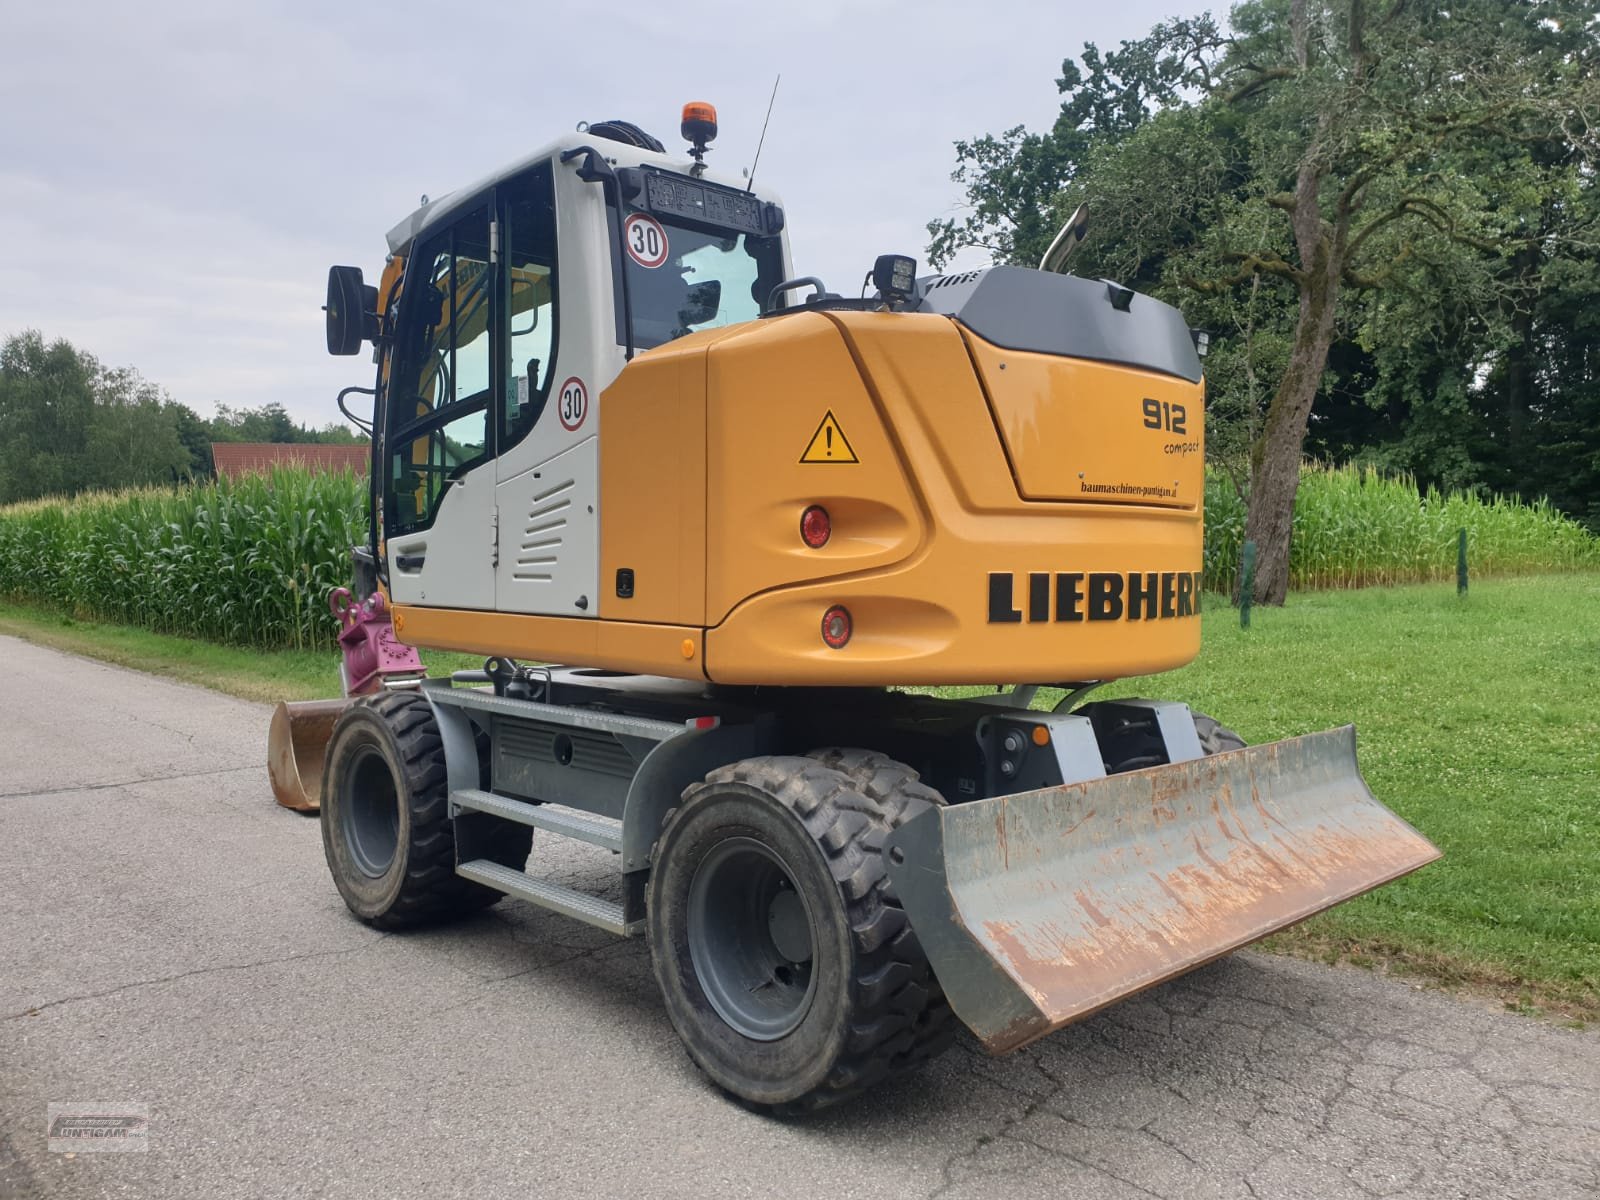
[1272, 176]
[46, 408]
[272, 423]
[69, 424]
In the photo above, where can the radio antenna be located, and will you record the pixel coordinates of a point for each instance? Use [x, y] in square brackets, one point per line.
[756, 162]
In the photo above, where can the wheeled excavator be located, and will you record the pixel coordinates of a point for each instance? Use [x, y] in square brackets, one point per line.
[724, 538]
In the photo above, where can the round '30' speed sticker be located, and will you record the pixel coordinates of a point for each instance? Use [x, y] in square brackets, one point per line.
[646, 240]
[572, 404]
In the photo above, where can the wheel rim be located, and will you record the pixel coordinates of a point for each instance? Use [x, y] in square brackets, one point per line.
[369, 811]
[752, 939]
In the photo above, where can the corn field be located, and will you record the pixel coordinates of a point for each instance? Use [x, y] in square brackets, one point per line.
[1359, 528]
[248, 561]
[251, 561]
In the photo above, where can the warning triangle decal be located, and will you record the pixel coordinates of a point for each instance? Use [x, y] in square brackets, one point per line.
[828, 444]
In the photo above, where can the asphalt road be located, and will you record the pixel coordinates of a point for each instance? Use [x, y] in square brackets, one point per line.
[168, 936]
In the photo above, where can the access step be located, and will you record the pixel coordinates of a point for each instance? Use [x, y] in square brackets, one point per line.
[585, 827]
[557, 897]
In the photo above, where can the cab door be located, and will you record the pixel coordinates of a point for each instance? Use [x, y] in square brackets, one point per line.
[439, 472]
[551, 227]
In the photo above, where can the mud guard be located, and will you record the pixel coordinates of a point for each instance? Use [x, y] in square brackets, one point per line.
[1039, 909]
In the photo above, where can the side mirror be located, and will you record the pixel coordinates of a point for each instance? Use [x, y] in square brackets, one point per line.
[702, 304]
[351, 310]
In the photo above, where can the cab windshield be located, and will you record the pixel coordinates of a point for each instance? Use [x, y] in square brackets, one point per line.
[683, 279]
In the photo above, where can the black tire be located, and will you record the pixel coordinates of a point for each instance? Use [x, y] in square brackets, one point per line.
[779, 1033]
[1215, 737]
[901, 794]
[386, 829]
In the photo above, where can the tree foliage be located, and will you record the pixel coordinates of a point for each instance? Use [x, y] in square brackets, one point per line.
[69, 424]
[1384, 212]
[271, 423]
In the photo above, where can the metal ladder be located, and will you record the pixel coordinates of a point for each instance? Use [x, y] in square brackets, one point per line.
[557, 897]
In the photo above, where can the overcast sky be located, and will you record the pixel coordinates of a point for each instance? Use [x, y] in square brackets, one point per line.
[176, 177]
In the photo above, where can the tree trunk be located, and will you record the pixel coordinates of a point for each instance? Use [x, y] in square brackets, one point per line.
[1275, 457]
[1519, 359]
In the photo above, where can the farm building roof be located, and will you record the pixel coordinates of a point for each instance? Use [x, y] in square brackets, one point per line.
[254, 458]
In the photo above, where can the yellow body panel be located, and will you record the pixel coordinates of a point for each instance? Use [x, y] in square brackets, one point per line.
[653, 486]
[1069, 435]
[607, 645]
[924, 617]
[952, 570]
[767, 394]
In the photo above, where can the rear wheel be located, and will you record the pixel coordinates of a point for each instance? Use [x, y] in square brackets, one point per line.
[787, 967]
[386, 828]
[902, 795]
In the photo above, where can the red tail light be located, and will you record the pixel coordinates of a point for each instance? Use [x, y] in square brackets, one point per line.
[836, 627]
[816, 527]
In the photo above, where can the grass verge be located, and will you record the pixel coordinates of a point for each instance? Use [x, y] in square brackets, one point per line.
[266, 675]
[1476, 721]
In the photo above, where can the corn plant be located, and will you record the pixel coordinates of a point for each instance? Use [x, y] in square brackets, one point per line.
[1357, 527]
[251, 561]
[248, 561]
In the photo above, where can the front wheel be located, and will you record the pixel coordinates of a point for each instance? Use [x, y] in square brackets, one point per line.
[386, 827]
[787, 967]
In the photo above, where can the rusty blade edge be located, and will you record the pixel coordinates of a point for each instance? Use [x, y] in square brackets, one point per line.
[1024, 1032]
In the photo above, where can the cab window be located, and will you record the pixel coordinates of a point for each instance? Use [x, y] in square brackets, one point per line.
[706, 278]
[528, 221]
[438, 402]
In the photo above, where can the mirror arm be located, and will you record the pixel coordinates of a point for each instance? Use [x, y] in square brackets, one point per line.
[350, 416]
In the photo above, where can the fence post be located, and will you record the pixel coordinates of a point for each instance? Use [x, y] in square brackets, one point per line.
[1461, 562]
[1247, 582]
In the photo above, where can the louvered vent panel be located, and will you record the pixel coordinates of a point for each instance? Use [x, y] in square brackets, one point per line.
[542, 539]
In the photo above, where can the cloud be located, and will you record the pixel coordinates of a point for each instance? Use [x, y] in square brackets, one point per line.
[182, 174]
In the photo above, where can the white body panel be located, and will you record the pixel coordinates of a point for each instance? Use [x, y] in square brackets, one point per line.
[550, 536]
[457, 549]
[553, 455]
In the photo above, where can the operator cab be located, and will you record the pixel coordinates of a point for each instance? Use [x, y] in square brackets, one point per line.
[504, 312]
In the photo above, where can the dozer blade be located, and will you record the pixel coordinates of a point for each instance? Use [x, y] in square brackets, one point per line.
[1039, 909]
[296, 744]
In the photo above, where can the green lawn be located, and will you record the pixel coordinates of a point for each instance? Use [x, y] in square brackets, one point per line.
[1478, 722]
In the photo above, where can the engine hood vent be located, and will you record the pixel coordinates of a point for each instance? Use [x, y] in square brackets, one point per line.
[1017, 308]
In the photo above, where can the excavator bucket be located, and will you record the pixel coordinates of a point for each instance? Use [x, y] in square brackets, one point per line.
[297, 741]
[1039, 909]
[373, 658]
